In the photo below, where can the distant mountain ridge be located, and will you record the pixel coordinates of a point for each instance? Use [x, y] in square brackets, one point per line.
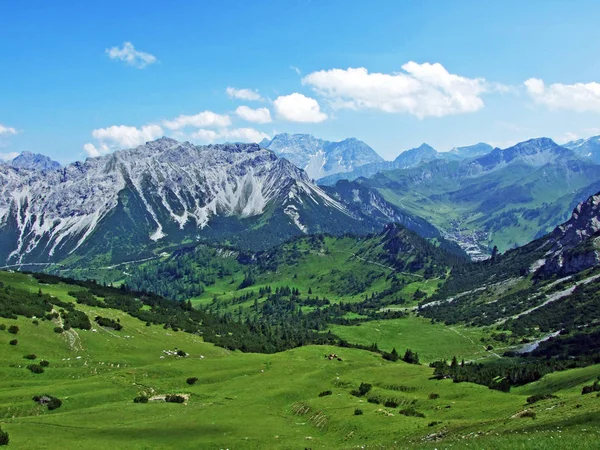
[409, 159]
[34, 161]
[318, 157]
[586, 148]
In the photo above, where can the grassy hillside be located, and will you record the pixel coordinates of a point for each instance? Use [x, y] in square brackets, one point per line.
[391, 265]
[247, 400]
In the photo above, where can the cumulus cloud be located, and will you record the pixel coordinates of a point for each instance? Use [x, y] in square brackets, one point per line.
[580, 97]
[299, 108]
[202, 119]
[258, 115]
[96, 150]
[567, 137]
[243, 94]
[121, 136]
[8, 156]
[7, 131]
[423, 90]
[227, 134]
[130, 56]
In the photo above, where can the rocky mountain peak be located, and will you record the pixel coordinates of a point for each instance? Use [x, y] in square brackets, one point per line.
[320, 158]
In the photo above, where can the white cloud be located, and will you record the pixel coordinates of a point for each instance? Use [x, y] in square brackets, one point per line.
[246, 135]
[5, 130]
[94, 151]
[299, 108]
[131, 56]
[580, 97]
[121, 136]
[567, 137]
[234, 135]
[423, 90]
[205, 135]
[8, 156]
[125, 136]
[258, 115]
[202, 119]
[243, 94]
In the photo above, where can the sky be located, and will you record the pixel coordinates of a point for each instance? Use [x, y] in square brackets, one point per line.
[81, 79]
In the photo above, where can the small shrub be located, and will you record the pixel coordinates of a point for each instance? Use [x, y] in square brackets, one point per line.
[191, 380]
[31, 356]
[181, 353]
[531, 414]
[141, 399]
[54, 403]
[14, 342]
[391, 403]
[537, 397]
[13, 329]
[324, 393]
[358, 412]
[35, 368]
[591, 388]
[2, 327]
[35, 322]
[411, 412]
[3, 437]
[434, 396]
[44, 363]
[174, 398]
[108, 323]
[363, 389]
[59, 330]
[434, 423]
[374, 399]
[50, 401]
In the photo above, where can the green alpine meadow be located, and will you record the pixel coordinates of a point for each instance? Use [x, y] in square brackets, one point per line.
[300, 225]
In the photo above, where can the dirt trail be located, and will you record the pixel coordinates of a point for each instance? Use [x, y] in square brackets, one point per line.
[474, 343]
[70, 335]
[354, 255]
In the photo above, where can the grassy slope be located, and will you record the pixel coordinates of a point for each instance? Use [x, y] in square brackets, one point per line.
[431, 342]
[249, 400]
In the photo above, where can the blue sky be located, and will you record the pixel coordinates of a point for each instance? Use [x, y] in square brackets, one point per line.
[394, 74]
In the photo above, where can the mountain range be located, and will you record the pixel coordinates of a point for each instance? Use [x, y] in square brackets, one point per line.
[506, 197]
[138, 202]
[134, 202]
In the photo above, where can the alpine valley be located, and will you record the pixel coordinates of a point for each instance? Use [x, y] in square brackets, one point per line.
[181, 296]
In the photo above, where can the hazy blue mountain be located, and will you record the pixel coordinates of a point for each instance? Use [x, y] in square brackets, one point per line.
[34, 161]
[586, 148]
[415, 156]
[470, 151]
[408, 159]
[319, 158]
